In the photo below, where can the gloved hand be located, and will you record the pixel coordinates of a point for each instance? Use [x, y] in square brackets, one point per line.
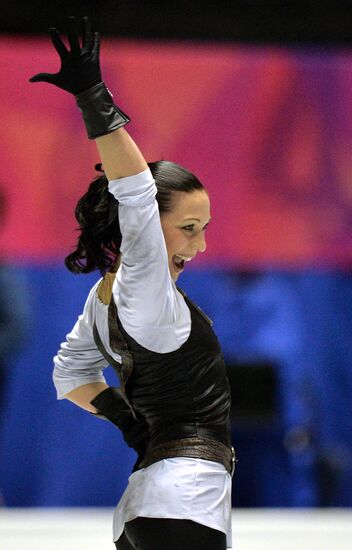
[112, 405]
[80, 75]
[80, 67]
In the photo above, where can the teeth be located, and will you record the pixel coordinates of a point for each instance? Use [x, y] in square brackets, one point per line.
[185, 258]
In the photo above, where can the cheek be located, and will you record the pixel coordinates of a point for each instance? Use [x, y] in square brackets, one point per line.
[174, 241]
[168, 237]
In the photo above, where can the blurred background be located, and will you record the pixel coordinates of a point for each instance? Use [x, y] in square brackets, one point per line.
[255, 98]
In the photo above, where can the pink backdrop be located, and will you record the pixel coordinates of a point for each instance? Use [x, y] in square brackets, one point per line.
[269, 132]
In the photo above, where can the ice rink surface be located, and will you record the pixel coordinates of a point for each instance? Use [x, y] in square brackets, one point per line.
[90, 529]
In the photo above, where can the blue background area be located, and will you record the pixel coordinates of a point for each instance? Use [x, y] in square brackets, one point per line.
[52, 453]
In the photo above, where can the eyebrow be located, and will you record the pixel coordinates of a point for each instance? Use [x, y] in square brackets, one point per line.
[195, 219]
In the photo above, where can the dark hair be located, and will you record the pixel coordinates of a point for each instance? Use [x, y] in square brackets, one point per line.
[99, 243]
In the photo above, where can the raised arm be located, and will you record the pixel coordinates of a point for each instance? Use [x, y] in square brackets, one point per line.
[80, 75]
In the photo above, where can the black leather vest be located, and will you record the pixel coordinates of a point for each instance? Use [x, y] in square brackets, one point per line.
[180, 394]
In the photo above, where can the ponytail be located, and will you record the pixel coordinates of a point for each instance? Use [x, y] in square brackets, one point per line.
[100, 238]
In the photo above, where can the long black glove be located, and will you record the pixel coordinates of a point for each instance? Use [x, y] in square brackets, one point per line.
[80, 75]
[111, 405]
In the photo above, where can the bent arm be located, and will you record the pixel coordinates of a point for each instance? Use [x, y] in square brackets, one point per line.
[78, 365]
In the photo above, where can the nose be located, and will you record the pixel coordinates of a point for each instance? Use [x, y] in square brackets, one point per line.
[200, 243]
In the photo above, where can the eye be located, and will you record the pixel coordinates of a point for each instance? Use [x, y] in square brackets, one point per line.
[188, 227]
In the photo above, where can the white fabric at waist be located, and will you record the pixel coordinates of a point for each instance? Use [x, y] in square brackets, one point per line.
[179, 488]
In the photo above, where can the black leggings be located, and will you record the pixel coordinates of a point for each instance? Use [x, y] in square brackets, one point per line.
[169, 534]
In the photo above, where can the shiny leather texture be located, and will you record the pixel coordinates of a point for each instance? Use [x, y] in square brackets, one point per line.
[184, 393]
[101, 116]
[192, 447]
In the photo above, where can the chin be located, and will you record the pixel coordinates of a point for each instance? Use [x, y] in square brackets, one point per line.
[175, 276]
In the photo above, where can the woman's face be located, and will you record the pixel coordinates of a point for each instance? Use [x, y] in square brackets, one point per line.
[184, 227]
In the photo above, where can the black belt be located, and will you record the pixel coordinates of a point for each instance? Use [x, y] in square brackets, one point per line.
[192, 447]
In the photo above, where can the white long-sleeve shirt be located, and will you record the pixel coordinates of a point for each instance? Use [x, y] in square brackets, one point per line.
[156, 315]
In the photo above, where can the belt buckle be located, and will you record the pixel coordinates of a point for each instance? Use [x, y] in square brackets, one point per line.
[233, 460]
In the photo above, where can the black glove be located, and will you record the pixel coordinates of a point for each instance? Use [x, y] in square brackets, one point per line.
[111, 404]
[80, 67]
[80, 75]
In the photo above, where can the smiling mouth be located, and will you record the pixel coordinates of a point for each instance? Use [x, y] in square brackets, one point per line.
[179, 261]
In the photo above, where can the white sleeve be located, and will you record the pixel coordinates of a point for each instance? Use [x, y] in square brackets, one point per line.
[150, 308]
[78, 361]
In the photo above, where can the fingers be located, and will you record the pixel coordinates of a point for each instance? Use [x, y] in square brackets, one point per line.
[96, 45]
[61, 50]
[73, 36]
[87, 41]
[58, 43]
[43, 77]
